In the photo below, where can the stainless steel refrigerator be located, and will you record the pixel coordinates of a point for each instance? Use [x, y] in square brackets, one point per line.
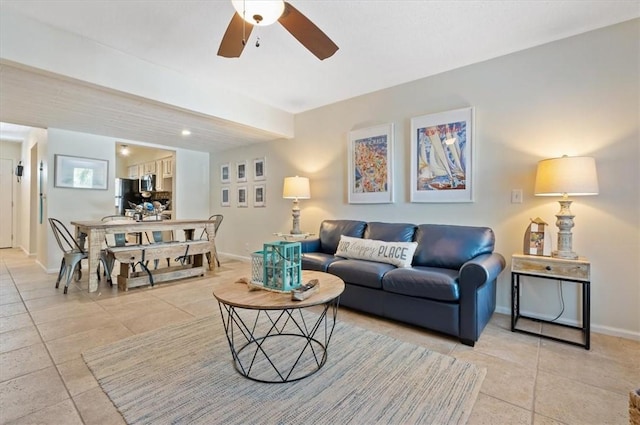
[126, 191]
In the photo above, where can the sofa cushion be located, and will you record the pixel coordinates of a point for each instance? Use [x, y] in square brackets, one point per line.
[399, 254]
[423, 282]
[390, 232]
[450, 246]
[318, 261]
[360, 272]
[331, 230]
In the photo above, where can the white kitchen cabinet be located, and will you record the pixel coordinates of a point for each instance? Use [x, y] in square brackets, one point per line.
[132, 172]
[167, 167]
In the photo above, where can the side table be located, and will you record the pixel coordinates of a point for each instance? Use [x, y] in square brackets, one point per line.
[293, 237]
[577, 271]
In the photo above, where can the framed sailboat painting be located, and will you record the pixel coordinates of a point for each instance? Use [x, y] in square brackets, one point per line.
[442, 155]
[371, 165]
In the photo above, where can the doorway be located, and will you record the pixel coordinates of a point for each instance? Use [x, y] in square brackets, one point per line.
[6, 203]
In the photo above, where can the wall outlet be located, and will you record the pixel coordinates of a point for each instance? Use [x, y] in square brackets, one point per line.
[516, 196]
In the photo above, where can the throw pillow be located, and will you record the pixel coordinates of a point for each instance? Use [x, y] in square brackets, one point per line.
[399, 254]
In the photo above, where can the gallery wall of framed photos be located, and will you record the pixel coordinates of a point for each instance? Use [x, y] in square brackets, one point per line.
[244, 184]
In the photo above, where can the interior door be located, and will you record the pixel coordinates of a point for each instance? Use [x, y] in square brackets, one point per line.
[6, 203]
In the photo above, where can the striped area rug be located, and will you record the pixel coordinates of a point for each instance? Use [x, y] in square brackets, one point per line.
[183, 374]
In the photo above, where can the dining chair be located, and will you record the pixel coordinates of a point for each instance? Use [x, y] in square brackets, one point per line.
[218, 218]
[73, 253]
[111, 240]
[158, 236]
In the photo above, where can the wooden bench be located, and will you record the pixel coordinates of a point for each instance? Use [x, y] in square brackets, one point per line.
[188, 254]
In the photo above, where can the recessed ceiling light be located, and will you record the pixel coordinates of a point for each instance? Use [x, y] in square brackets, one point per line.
[124, 150]
[186, 132]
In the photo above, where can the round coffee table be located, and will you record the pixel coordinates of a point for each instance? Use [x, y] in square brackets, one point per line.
[273, 338]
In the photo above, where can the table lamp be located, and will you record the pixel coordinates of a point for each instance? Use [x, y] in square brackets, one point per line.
[296, 188]
[566, 176]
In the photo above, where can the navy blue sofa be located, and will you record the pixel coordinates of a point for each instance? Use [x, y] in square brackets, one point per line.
[450, 286]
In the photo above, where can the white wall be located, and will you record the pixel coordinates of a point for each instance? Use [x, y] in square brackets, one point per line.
[192, 181]
[577, 96]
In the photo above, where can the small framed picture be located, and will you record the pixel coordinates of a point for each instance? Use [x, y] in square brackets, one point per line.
[241, 171]
[242, 197]
[224, 173]
[224, 197]
[259, 169]
[259, 195]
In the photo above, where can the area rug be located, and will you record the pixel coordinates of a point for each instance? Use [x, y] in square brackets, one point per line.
[183, 374]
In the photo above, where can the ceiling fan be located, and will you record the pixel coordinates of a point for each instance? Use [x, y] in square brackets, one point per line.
[250, 13]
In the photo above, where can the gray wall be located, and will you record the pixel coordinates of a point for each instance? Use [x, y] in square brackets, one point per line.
[577, 96]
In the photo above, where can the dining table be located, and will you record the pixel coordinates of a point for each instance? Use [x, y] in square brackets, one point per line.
[94, 231]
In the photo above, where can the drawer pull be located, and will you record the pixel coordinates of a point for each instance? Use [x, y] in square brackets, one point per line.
[548, 268]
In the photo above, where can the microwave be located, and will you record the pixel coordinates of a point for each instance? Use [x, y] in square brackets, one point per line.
[148, 183]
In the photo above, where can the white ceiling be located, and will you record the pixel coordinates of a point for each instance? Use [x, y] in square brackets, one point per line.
[382, 44]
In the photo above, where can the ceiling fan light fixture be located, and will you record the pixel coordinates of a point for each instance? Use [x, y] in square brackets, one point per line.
[259, 12]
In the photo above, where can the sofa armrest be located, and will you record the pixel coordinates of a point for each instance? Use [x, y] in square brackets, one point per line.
[310, 245]
[481, 269]
[477, 284]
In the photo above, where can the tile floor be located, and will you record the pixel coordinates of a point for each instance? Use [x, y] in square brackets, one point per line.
[43, 379]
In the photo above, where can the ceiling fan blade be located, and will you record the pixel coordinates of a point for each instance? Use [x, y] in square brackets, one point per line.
[307, 32]
[231, 45]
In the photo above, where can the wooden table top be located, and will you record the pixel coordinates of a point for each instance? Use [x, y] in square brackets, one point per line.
[238, 294]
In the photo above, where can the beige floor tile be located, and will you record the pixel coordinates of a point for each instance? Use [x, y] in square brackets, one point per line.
[17, 321]
[18, 338]
[491, 411]
[131, 310]
[616, 348]
[7, 310]
[70, 347]
[23, 361]
[65, 310]
[512, 346]
[543, 420]
[77, 377]
[505, 380]
[37, 304]
[72, 325]
[29, 393]
[585, 366]
[576, 403]
[148, 322]
[63, 413]
[10, 297]
[96, 408]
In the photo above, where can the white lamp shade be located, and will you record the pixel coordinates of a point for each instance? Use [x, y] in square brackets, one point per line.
[296, 188]
[572, 176]
[268, 10]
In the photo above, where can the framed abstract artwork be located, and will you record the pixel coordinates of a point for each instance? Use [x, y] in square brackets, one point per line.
[241, 171]
[370, 156]
[242, 197]
[442, 156]
[225, 176]
[259, 169]
[260, 195]
[225, 201]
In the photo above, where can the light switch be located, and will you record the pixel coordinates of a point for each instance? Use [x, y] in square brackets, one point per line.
[516, 196]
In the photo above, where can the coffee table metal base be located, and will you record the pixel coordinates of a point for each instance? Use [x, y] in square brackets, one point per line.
[278, 345]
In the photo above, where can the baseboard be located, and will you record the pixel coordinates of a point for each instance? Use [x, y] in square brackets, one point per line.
[606, 330]
[235, 257]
